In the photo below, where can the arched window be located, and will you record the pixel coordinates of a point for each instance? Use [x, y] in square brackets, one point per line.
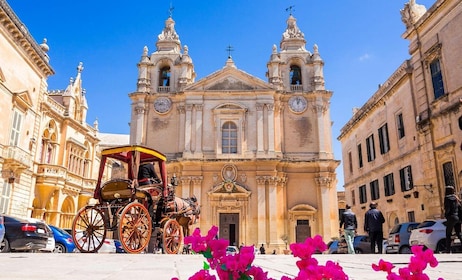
[229, 138]
[164, 80]
[295, 75]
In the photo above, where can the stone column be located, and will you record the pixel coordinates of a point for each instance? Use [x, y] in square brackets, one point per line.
[198, 129]
[138, 137]
[182, 118]
[197, 188]
[325, 189]
[272, 210]
[270, 128]
[260, 143]
[187, 129]
[185, 185]
[261, 209]
[320, 108]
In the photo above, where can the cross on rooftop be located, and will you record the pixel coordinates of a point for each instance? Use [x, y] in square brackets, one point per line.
[290, 9]
[170, 10]
[229, 49]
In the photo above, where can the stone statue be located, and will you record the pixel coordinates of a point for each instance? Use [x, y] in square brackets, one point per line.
[411, 13]
[169, 32]
[292, 30]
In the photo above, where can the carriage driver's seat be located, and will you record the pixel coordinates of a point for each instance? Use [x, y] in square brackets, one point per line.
[120, 189]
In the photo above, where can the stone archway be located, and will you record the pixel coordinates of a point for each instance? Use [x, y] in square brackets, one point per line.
[301, 219]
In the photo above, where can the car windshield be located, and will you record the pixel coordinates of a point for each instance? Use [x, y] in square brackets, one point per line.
[426, 224]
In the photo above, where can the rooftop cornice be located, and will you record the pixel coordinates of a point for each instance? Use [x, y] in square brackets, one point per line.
[23, 39]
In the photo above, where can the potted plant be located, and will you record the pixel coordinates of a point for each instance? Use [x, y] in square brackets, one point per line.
[285, 238]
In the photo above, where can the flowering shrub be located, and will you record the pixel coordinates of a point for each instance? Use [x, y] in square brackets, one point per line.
[239, 266]
[414, 271]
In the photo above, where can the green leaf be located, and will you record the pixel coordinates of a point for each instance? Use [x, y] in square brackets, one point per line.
[206, 266]
[208, 254]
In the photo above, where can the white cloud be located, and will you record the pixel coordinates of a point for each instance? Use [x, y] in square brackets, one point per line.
[365, 56]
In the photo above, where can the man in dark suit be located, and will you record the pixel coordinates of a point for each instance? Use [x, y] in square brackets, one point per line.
[373, 222]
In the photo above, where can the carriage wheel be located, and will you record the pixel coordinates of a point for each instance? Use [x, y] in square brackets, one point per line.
[172, 237]
[88, 229]
[135, 227]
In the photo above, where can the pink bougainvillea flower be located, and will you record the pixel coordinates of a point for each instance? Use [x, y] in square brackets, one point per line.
[383, 266]
[202, 275]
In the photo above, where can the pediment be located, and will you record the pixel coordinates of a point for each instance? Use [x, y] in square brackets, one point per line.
[23, 99]
[229, 79]
[229, 187]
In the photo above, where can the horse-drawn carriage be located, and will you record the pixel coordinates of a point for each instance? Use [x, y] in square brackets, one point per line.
[127, 211]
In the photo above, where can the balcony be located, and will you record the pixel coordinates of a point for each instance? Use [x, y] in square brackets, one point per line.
[163, 89]
[16, 158]
[296, 87]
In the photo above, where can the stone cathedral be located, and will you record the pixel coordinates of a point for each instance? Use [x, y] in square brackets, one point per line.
[256, 154]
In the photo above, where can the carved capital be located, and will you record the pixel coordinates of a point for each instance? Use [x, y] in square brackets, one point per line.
[139, 110]
[323, 181]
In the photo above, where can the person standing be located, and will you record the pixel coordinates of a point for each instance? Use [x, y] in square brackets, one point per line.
[373, 221]
[350, 224]
[451, 213]
[262, 249]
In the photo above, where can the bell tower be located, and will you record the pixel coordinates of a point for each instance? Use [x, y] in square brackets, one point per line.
[161, 75]
[293, 68]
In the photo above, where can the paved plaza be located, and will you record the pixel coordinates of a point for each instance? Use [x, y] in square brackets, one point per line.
[152, 266]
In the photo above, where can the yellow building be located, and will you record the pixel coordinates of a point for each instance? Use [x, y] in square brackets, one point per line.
[47, 151]
[257, 155]
[404, 145]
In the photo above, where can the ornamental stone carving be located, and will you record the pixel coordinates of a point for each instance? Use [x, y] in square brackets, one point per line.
[292, 30]
[169, 32]
[411, 13]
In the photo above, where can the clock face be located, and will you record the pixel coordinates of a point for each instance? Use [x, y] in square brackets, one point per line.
[297, 104]
[162, 105]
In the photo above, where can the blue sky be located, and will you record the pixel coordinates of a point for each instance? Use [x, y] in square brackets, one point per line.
[359, 41]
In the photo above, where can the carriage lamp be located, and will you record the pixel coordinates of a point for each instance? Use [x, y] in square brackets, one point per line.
[174, 180]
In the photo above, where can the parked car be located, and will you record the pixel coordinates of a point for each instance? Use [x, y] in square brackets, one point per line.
[332, 247]
[398, 239]
[119, 247]
[361, 243]
[23, 235]
[432, 235]
[63, 241]
[2, 229]
[51, 239]
[109, 245]
[231, 250]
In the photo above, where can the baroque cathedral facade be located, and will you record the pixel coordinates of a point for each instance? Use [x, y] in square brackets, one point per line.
[256, 154]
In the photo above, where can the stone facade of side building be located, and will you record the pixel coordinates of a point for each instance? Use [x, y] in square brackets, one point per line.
[48, 155]
[404, 145]
[257, 155]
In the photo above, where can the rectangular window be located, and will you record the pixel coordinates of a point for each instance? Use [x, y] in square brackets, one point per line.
[353, 197]
[405, 176]
[350, 162]
[229, 138]
[448, 174]
[437, 78]
[411, 216]
[362, 194]
[400, 125]
[375, 194]
[360, 156]
[5, 197]
[383, 139]
[389, 185]
[15, 128]
[370, 148]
